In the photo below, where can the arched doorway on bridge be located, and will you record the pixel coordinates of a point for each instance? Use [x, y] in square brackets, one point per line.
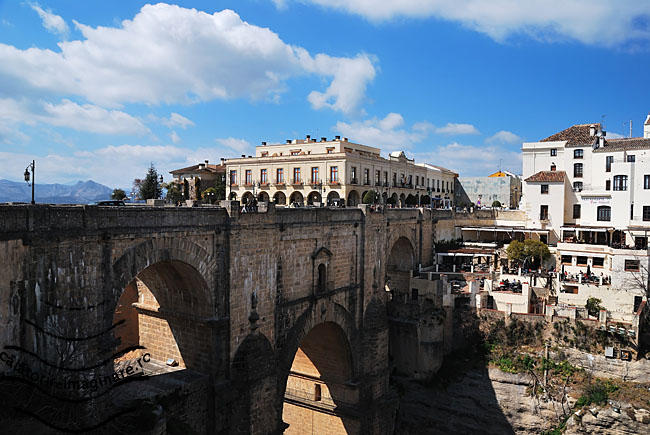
[247, 197]
[263, 197]
[296, 198]
[401, 261]
[320, 396]
[331, 197]
[161, 312]
[402, 200]
[280, 198]
[353, 198]
[313, 197]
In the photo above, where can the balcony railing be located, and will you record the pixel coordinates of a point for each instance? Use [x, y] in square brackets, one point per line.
[354, 181]
[296, 182]
[333, 182]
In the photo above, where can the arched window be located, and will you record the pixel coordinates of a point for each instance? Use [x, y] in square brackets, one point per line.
[604, 213]
[620, 182]
[322, 278]
[577, 169]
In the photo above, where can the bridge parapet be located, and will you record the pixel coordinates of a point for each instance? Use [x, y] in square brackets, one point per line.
[16, 219]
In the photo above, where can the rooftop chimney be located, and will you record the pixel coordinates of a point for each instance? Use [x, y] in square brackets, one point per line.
[337, 137]
[222, 160]
[324, 139]
[308, 137]
[206, 162]
[592, 130]
[288, 140]
[263, 144]
[201, 165]
[243, 156]
[345, 139]
[646, 127]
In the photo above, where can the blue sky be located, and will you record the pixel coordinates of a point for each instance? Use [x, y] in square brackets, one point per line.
[97, 90]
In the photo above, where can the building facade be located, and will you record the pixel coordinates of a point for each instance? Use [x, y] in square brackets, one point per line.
[592, 194]
[332, 172]
[196, 178]
[502, 186]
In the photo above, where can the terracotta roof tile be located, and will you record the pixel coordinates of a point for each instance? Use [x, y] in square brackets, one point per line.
[547, 177]
[195, 168]
[574, 135]
[634, 143]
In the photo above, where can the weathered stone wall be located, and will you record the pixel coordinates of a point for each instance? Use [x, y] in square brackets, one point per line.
[229, 296]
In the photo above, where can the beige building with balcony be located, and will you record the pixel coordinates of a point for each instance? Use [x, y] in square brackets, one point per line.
[311, 172]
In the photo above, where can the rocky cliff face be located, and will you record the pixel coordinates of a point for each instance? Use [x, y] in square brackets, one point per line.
[489, 401]
[624, 420]
[480, 401]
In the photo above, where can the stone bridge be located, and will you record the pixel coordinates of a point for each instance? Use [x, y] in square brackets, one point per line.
[241, 323]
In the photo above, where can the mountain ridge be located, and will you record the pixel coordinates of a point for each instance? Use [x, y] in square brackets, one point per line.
[81, 192]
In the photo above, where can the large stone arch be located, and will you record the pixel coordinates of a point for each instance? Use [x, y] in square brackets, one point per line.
[164, 291]
[254, 382]
[318, 372]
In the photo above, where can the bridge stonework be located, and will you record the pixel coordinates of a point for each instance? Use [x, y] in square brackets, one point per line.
[279, 318]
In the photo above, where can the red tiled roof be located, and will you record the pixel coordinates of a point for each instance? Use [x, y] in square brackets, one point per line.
[633, 143]
[574, 135]
[195, 168]
[547, 177]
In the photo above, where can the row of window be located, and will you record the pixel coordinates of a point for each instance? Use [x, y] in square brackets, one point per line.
[603, 212]
[334, 178]
[630, 265]
[620, 184]
[280, 178]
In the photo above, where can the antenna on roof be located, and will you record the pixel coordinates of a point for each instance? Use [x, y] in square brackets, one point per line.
[630, 128]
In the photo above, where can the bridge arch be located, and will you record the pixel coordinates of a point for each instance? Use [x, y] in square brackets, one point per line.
[163, 300]
[318, 371]
[280, 198]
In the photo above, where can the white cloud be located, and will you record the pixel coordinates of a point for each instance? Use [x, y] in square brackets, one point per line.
[176, 120]
[113, 166]
[52, 22]
[86, 117]
[240, 146]
[170, 54]
[470, 160]
[504, 136]
[604, 22]
[387, 133]
[457, 129]
[174, 137]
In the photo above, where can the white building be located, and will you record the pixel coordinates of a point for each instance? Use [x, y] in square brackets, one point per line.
[593, 195]
[307, 171]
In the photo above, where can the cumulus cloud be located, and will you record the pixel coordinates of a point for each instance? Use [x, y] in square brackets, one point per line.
[387, 133]
[169, 54]
[469, 160]
[86, 117]
[176, 120]
[174, 137]
[240, 146]
[52, 22]
[504, 136]
[114, 166]
[457, 129]
[603, 22]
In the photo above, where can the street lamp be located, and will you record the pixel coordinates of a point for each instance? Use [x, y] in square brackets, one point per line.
[27, 178]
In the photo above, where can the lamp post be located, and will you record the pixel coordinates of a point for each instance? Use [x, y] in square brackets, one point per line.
[161, 182]
[31, 166]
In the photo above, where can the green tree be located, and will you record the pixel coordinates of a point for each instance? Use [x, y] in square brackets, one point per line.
[174, 193]
[220, 187]
[150, 187]
[370, 197]
[496, 204]
[529, 249]
[593, 306]
[515, 251]
[210, 195]
[118, 194]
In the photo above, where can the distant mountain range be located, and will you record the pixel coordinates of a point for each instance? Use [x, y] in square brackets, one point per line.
[82, 192]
